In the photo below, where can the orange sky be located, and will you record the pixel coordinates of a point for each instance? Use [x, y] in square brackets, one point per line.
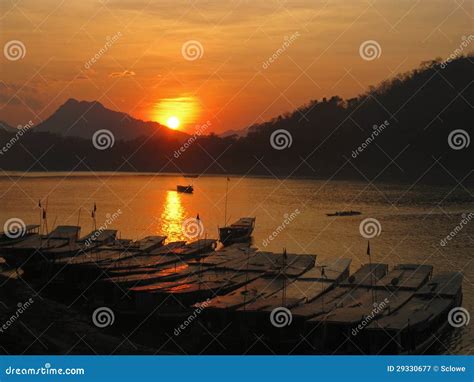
[227, 79]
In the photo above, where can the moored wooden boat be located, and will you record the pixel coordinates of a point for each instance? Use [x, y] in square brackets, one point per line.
[29, 230]
[367, 303]
[87, 243]
[415, 326]
[237, 232]
[32, 249]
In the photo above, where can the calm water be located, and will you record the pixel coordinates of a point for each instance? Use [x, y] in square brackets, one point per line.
[413, 219]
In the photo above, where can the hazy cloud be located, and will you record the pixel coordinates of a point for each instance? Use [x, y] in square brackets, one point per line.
[125, 73]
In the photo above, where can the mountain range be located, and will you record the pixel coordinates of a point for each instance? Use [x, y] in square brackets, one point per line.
[401, 129]
[82, 119]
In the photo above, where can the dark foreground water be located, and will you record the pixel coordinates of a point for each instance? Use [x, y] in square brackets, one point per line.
[291, 214]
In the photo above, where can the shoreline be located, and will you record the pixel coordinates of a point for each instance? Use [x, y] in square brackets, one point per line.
[98, 174]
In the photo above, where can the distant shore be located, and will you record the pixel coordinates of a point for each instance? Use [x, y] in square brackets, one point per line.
[95, 174]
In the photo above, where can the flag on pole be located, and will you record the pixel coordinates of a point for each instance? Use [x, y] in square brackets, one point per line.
[368, 247]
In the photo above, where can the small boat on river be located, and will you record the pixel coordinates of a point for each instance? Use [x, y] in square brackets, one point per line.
[185, 189]
[345, 213]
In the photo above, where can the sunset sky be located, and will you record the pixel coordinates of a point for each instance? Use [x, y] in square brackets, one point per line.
[147, 72]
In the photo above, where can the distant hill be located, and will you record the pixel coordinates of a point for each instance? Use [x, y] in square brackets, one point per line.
[238, 133]
[398, 130]
[82, 119]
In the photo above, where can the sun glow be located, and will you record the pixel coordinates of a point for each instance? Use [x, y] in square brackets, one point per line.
[173, 122]
[176, 113]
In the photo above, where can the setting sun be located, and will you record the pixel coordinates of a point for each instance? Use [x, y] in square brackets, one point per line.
[172, 122]
[176, 113]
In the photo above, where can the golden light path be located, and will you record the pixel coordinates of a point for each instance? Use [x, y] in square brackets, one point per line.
[176, 112]
[172, 217]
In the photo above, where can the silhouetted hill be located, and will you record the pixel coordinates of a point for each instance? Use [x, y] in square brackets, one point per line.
[422, 107]
[82, 119]
[6, 127]
[238, 133]
[414, 112]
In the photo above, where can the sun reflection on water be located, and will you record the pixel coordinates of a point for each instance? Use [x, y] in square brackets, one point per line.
[172, 217]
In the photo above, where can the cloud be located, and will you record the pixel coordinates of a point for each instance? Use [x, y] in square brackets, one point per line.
[125, 73]
[16, 94]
